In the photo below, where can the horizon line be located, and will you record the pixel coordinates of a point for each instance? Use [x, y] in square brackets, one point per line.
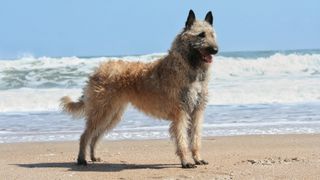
[126, 55]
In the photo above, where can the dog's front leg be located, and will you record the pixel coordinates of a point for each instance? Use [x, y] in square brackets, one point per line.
[178, 131]
[195, 136]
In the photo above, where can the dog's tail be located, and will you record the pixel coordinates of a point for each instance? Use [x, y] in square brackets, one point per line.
[76, 109]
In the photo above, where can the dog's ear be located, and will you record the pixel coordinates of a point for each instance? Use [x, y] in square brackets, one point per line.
[191, 18]
[209, 18]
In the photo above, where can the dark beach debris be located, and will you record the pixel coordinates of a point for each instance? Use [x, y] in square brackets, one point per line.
[271, 161]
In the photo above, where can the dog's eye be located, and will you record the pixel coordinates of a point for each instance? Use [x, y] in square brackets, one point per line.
[202, 35]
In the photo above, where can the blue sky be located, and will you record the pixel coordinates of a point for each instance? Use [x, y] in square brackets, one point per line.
[118, 27]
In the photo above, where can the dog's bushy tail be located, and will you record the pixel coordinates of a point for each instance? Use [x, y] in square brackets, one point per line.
[76, 109]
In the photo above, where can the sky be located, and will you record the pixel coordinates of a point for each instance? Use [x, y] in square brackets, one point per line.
[126, 27]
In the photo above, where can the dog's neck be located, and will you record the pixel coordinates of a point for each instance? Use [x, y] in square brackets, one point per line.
[193, 72]
[188, 57]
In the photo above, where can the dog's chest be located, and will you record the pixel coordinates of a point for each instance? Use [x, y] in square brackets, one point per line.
[192, 95]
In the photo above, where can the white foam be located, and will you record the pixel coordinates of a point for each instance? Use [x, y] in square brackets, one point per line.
[24, 100]
[275, 65]
[261, 91]
[37, 84]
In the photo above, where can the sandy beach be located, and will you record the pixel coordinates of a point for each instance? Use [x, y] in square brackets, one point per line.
[238, 157]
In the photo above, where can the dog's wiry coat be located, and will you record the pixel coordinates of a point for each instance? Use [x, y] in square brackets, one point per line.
[172, 88]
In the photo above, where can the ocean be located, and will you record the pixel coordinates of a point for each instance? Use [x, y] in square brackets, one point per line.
[256, 92]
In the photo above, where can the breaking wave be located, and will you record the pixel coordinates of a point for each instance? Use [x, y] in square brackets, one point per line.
[36, 84]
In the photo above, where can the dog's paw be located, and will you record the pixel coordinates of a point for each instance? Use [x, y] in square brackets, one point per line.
[188, 166]
[201, 162]
[96, 159]
[82, 162]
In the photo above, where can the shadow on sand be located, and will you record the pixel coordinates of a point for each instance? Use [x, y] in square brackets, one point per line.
[104, 167]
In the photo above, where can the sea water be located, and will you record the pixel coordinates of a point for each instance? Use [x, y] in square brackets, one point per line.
[258, 92]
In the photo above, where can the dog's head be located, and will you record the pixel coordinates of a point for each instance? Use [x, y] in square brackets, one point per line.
[199, 38]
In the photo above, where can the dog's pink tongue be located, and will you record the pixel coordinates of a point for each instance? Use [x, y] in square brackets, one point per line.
[208, 58]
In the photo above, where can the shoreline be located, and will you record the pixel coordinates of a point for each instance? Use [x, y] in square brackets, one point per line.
[219, 121]
[293, 156]
[105, 140]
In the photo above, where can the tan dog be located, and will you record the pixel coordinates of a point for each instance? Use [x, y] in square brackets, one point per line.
[172, 88]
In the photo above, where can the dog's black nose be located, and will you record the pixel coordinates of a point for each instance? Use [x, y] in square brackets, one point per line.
[213, 50]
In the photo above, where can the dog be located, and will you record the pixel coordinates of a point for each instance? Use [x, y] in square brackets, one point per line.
[172, 88]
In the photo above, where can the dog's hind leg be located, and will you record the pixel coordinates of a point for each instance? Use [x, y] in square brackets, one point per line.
[178, 131]
[94, 120]
[93, 144]
[194, 133]
[109, 123]
[85, 138]
[100, 128]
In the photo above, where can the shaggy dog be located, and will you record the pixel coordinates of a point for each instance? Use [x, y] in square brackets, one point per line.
[173, 88]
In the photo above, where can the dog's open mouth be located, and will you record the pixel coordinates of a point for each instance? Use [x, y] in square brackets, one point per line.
[206, 56]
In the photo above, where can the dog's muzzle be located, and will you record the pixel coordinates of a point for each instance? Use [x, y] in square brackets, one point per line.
[206, 53]
[212, 50]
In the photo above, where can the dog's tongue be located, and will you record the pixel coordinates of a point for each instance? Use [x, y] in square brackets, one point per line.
[208, 58]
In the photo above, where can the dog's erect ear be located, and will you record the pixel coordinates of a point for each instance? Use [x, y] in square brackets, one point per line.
[191, 19]
[209, 18]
